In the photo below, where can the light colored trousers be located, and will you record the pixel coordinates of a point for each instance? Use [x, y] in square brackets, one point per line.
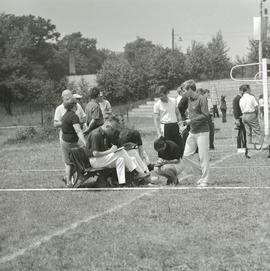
[119, 160]
[200, 140]
[252, 126]
[135, 153]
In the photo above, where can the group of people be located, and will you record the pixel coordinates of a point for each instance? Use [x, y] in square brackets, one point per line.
[184, 126]
[100, 134]
[176, 147]
[246, 110]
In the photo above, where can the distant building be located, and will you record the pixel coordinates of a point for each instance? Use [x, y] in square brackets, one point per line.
[79, 81]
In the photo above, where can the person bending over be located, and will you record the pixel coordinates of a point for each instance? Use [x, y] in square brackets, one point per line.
[102, 155]
[169, 164]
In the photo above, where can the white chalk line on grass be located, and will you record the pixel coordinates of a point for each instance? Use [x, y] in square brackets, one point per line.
[241, 166]
[152, 188]
[64, 230]
[33, 170]
[224, 158]
[73, 226]
[18, 126]
[61, 170]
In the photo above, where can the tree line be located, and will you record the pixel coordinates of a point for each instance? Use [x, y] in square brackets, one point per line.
[34, 61]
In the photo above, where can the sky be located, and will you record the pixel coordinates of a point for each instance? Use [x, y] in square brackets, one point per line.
[116, 22]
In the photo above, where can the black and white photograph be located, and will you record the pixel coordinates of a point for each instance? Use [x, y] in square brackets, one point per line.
[134, 135]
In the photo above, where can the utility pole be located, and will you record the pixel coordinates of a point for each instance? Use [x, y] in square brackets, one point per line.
[173, 39]
[263, 27]
[260, 40]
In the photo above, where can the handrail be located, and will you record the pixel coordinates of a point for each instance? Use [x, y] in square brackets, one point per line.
[244, 65]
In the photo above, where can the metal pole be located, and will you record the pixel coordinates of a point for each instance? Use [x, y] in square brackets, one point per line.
[265, 96]
[173, 39]
[260, 41]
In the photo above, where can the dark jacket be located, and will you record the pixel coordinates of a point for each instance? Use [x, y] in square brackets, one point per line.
[183, 106]
[223, 104]
[237, 113]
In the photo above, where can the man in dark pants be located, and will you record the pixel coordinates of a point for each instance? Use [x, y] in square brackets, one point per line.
[166, 116]
[241, 135]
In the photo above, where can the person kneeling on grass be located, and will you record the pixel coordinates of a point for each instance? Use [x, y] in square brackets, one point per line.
[71, 133]
[169, 165]
[101, 155]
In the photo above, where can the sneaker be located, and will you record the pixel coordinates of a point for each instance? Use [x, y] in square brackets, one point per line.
[64, 180]
[150, 185]
[201, 183]
[122, 185]
[69, 184]
[77, 183]
[140, 176]
[241, 150]
[153, 179]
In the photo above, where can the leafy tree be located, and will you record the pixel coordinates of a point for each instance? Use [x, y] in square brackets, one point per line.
[196, 61]
[153, 65]
[217, 62]
[136, 50]
[87, 58]
[117, 79]
[26, 47]
[168, 67]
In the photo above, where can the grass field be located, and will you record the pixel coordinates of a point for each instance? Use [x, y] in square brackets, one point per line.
[222, 227]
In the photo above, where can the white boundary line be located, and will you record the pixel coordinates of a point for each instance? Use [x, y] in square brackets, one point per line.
[74, 225]
[34, 170]
[247, 166]
[111, 189]
[60, 232]
[19, 126]
[152, 188]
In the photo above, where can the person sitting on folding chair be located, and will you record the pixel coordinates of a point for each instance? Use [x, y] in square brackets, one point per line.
[102, 155]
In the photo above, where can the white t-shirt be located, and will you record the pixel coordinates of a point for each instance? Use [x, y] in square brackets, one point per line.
[61, 110]
[106, 108]
[261, 102]
[248, 103]
[178, 99]
[166, 111]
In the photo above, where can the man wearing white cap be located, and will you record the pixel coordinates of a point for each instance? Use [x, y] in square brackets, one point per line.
[61, 110]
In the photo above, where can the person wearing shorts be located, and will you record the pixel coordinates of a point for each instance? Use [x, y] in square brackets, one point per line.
[60, 112]
[71, 133]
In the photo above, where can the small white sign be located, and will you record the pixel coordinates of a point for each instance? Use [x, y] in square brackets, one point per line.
[257, 28]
